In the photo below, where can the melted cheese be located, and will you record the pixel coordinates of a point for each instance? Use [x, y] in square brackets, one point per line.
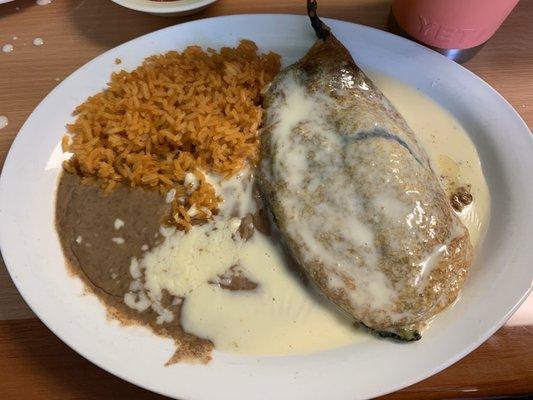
[283, 316]
[452, 154]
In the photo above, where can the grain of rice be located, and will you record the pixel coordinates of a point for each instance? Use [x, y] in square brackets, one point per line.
[178, 112]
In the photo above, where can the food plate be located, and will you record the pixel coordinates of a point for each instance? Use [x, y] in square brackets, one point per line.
[166, 8]
[499, 281]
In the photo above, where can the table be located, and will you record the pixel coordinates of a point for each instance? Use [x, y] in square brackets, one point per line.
[34, 364]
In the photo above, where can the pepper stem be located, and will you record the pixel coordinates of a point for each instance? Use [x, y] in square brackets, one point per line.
[322, 30]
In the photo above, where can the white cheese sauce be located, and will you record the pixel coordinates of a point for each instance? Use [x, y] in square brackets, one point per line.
[452, 154]
[7, 48]
[282, 315]
[38, 41]
[4, 121]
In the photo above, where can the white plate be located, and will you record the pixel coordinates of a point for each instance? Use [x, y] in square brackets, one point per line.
[166, 8]
[499, 281]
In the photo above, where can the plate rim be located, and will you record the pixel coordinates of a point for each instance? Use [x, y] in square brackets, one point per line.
[165, 7]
